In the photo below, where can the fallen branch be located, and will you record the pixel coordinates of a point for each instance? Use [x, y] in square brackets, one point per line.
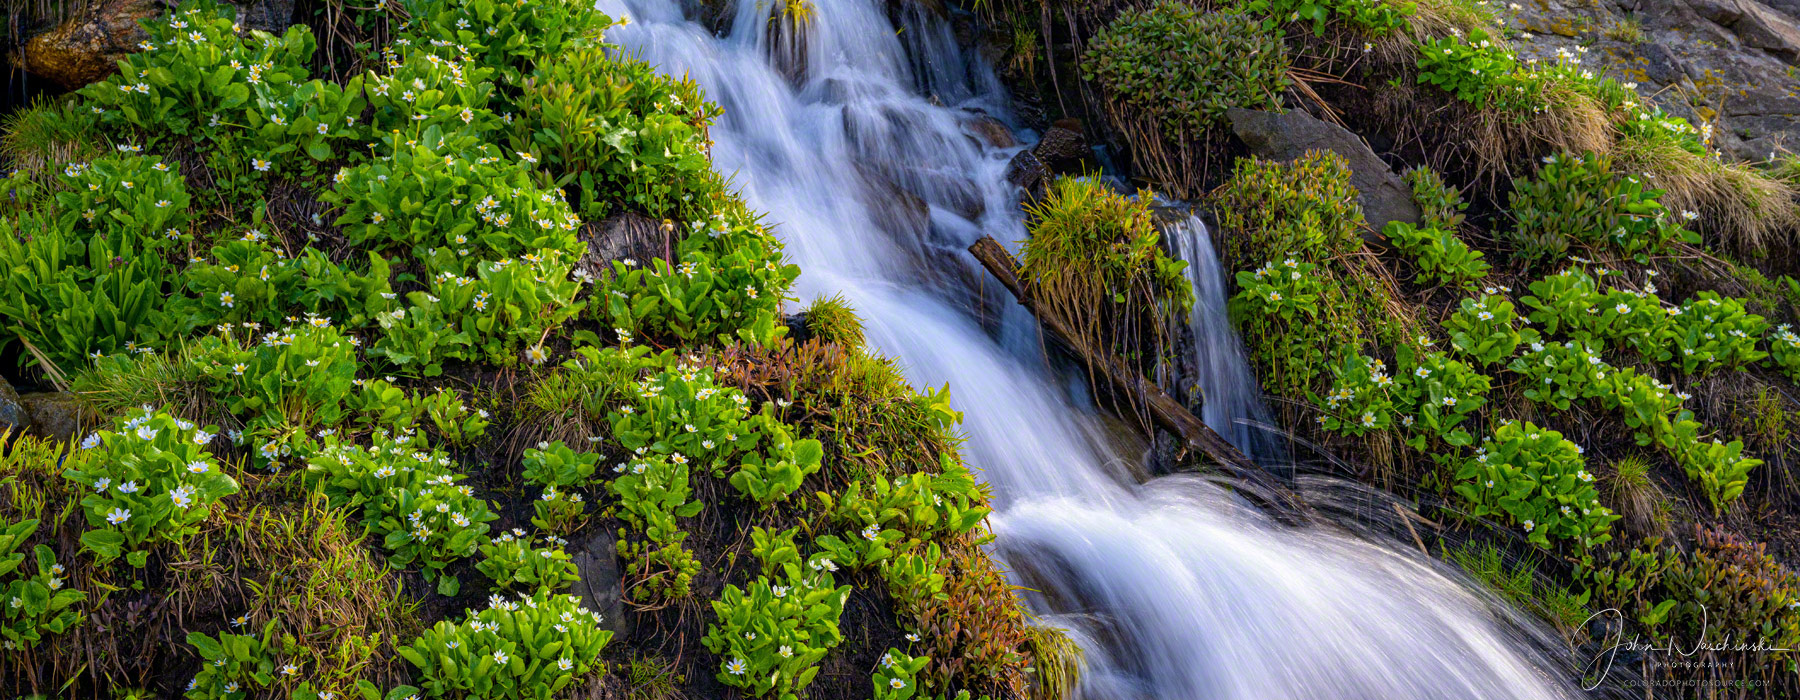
[1167, 412]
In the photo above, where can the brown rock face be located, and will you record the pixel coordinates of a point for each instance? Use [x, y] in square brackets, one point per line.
[87, 47]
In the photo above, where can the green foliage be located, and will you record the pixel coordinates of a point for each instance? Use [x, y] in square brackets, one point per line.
[1360, 400]
[1442, 257]
[1580, 198]
[1784, 351]
[248, 103]
[95, 280]
[1657, 125]
[897, 676]
[455, 422]
[1478, 70]
[509, 38]
[152, 480]
[1437, 394]
[620, 133]
[653, 492]
[407, 493]
[1560, 374]
[1519, 585]
[248, 280]
[1710, 331]
[831, 320]
[1377, 17]
[502, 315]
[682, 412]
[514, 560]
[1487, 329]
[728, 283]
[916, 576]
[1570, 303]
[1184, 67]
[555, 465]
[242, 666]
[1721, 467]
[36, 604]
[1537, 480]
[922, 506]
[451, 202]
[430, 87]
[1093, 254]
[304, 370]
[772, 634]
[771, 474]
[1440, 205]
[536, 650]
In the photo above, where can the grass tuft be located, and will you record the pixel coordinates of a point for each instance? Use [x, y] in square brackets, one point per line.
[832, 320]
[1058, 662]
[1748, 212]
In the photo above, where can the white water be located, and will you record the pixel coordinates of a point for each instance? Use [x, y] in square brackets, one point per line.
[1174, 587]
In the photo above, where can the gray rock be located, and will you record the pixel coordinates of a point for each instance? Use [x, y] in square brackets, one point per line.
[1062, 146]
[990, 131]
[1026, 171]
[601, 589]
[620, 237]
[14, 417]
[56, 414]
[1285, 136]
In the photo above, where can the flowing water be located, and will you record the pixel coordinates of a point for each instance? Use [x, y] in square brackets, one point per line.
[855, 137]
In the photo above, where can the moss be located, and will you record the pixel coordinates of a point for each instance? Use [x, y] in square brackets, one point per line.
[1093, 259]
[830, 319]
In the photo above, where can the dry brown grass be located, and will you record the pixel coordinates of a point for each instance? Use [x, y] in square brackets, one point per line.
[1747, 212]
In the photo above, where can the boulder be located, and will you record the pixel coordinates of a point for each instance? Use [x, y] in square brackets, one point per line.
[1063, 145]
[1755, 24]
[601, 588]
[1284, 136]
[625, 236]
[1026, 171]
[87, 47]
[14, 417]
[56, 414]
[990, 131]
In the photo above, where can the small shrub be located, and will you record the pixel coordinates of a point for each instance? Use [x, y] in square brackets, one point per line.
[1487, 329]
[653, 492]
[1442, 257]
[1537, 480]
[511, 651]
[1579, 198]
[621, 133]
[36, 602]
[772, 634]
[515, 560]
[152, 480]
[1185, 67]
[1440, 205]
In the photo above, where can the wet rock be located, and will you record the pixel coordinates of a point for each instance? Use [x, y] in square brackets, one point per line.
[895, 209]
[1285, 136]
[623, 236]
[87, 47]
[601, 589]
[1026, 171]
[13, 415]
[990, 131]
[56, 414]
[1063, 145]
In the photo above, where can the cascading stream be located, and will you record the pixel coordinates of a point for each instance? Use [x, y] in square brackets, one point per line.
[1174, 587]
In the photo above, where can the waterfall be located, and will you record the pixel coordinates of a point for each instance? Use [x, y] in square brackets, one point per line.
[861, 152]
[1231, 399]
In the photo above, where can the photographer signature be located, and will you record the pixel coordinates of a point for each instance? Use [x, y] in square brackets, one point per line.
[1603, 662]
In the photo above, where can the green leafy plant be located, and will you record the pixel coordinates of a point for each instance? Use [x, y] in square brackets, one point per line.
[1487, 329]
[38, 604]
[1442, 257]
[455, 422]
[508, 650]
[1440, 205]
[451, 201]
[897, 676]
[509, 38]
[619, 132]
[727, 281]
[304, 369]
[771, 634]
[247, 279]
[152, 481]
[1537, 480]
[1378, 17]
[556, 465]
[775, 471]
[1580, 198]
[1784, 351]
[1437, 394]
[1361, 398]
[654, 491]
[1721, 467]
[515, 560]
[502, 315]
[1709, 331]
[1184, 67]
[1560, 374]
